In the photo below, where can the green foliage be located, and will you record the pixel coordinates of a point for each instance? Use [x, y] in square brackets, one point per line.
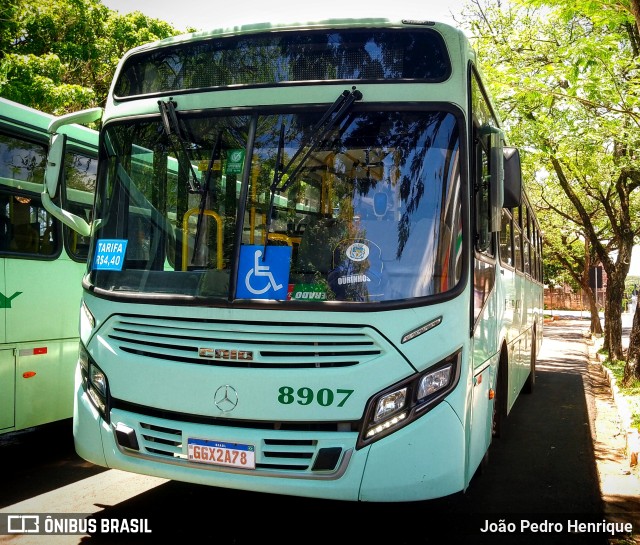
[630, 283]
[59, 56]
[38, 82]
[9, 10]
[630, 393]
[565, 78]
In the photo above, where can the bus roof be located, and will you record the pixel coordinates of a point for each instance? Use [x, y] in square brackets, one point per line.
[31, 121]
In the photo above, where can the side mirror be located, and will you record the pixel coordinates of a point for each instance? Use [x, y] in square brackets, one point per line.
[55, 160]
[55, 165]
[512, 178]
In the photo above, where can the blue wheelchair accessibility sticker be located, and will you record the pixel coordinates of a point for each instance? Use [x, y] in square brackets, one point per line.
[260, 278]
[109, 255]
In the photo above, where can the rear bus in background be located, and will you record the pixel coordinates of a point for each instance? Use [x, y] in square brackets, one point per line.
[313, 268]
[41, 268]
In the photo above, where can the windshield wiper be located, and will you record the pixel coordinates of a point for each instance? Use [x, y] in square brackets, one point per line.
[172, 126]
[333, 117]
[278, 168]
[204, 194]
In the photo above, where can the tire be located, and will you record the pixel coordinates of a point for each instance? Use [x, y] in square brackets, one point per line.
[499, 404]
[531, 379]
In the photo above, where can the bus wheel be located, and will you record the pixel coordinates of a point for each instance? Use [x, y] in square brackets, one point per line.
[531, 379]
[499, 404]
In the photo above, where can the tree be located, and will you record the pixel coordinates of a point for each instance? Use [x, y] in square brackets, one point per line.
[60, 56]
[566, 261]
[565, 80]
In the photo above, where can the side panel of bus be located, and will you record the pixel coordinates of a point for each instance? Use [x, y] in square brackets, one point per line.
[46, 349]
[40, 283]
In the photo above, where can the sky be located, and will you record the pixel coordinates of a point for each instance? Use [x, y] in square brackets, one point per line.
[211, 14]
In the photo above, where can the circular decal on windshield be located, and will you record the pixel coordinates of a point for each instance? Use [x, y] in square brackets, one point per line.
[358, 251]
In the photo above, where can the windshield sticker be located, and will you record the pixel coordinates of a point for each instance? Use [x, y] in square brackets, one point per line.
[307, 292]
[261, 277]
[353, 279]
[109, 255]
[357, 270]
[358, 251]
[235, 161]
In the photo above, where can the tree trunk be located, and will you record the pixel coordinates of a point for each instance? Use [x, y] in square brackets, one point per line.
[596, 324]
[613, 316]
[632, 366]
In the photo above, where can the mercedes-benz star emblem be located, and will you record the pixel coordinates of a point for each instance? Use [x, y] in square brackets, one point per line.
[226, 398]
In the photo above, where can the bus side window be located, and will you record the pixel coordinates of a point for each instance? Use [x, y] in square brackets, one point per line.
[5, 226]
[48, 240]
[25, 236]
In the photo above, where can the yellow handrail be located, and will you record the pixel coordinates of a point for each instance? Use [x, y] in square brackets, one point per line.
[185, 227]
[285, 238]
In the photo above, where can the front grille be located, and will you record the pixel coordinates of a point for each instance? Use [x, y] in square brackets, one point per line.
[275, 456]
[245, 344]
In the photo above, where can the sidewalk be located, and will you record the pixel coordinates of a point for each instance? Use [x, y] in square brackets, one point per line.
[618, 471]
[623, 410]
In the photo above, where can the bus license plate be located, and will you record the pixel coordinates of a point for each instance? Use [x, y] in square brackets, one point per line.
[220, 453]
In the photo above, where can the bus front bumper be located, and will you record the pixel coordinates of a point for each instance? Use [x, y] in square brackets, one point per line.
[423, 460]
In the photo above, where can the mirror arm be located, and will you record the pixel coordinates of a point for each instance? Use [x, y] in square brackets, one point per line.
[70, 220]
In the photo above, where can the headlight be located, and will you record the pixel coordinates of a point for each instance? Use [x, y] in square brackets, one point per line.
[94, 382]
[406, 401]
[390, 404]
[435, 381]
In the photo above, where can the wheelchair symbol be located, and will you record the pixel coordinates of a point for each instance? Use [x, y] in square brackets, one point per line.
[260, 272]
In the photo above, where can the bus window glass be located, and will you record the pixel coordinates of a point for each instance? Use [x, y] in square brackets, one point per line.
[386, 185]
[80, 181]
[22, 161]
[26, 227]
[506, 245]
[482, 208]
[517, 246]
[317, 56]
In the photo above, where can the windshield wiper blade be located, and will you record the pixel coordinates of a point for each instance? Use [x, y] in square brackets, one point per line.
[204, 195]
[172, 127]
[272, 190]
[334, 115]
[331, 118]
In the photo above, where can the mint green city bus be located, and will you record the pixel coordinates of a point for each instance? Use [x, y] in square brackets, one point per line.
[41, 268]
[314, 270]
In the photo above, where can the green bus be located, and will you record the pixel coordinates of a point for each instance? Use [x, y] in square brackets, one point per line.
[314, 269]
[41, 267]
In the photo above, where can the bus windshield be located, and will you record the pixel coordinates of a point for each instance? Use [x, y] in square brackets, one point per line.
[370, 213]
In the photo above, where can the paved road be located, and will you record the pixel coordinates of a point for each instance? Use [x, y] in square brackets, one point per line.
[543, 471]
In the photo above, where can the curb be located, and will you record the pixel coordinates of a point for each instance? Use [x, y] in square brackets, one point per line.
[632, 439]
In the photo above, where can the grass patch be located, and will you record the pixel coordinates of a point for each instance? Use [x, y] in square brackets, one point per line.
[631, 393]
